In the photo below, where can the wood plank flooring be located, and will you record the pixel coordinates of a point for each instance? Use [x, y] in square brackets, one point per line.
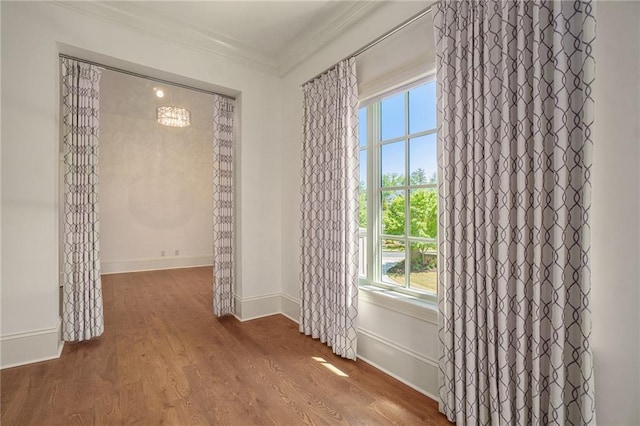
[165, 359]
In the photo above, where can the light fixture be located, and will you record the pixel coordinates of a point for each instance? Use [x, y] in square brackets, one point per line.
[173, 116]
[159, 93]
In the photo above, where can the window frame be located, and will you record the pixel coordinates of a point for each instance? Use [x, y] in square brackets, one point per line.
[373, 145]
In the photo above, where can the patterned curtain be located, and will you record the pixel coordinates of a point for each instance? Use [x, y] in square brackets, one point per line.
[329, 242]
[82, 288]
[515, 85]
[223, 209]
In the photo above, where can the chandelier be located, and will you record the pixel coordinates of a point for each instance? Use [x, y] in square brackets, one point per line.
[173, 116]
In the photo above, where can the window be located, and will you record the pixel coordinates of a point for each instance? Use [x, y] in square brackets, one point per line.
[398, 191]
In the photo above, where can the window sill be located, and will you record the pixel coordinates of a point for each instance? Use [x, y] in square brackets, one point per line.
[398, 302]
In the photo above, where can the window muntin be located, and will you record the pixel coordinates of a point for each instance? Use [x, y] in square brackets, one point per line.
[398, 195]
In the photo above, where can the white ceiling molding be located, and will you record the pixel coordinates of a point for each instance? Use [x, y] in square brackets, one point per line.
[328, 23]
[140, 18]
[338, 19]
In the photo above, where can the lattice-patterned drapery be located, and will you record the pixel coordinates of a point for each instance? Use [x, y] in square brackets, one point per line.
[329, 296]
[82, 290]
[515, 86]
[223, 206]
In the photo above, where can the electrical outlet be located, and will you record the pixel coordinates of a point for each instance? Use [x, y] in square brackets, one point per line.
[162, 253]
[177, 252]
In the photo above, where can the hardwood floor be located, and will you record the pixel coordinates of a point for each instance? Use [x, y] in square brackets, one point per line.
[165, 359]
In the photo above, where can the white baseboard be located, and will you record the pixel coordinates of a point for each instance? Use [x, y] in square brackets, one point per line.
[32, 346]
[153, 264]
[249, 308]
[290, 307]
[411, 368]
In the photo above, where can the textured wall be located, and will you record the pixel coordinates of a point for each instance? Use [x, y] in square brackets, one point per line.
[155, 181]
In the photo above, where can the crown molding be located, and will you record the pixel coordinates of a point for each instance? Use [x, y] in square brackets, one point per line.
[141, 19]
[328, 27]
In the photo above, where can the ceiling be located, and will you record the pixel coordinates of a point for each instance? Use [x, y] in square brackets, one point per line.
[265, 26]
[276, 35]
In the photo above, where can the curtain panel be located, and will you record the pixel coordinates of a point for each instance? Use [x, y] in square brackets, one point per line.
[223, 206]
[330, 156]
[82, 308]
[515, 83]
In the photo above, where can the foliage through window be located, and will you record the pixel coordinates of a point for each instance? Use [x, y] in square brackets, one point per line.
[398, 191]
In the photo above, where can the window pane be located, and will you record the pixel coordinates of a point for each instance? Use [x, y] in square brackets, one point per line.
[392, 159]
[422, 108]
[423, 160]
[423, 213]
[424, 263]
[363, 169]
[362, 209]
[393, 256]
[362, 126]
[393, 216]
[362, 253]
[362, 199]
[392, 110]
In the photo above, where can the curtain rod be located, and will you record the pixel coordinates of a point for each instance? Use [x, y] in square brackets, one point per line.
[146, 77]
[383, 37]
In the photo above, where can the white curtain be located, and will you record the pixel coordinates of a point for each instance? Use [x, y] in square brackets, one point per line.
[223, 206]
[329, 295]
[515, 102]
[82, 290]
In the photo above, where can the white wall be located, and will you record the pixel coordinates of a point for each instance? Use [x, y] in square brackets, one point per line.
[33, 33]
[615, 225]
[616, 215]
[155, 181]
